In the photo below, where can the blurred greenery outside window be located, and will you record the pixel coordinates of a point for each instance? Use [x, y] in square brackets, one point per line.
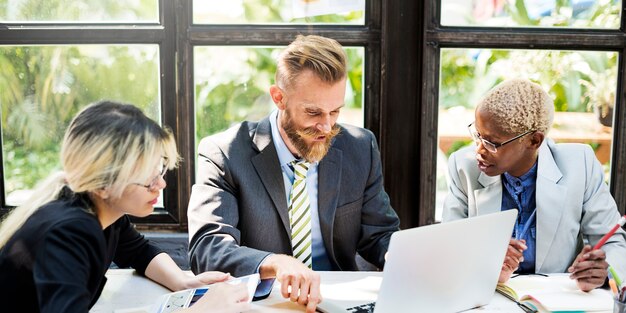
[232, 82]
[74, 11]
[232, 85]
[599, 14]
[581, 83]
[278, 12]
[43, 87]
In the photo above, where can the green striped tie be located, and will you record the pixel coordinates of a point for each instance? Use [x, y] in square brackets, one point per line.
[300, 214]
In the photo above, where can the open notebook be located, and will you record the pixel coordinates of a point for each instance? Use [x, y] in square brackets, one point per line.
[555, 293]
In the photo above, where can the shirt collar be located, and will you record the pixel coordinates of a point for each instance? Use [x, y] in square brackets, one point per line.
[284, 155]
[525, 180]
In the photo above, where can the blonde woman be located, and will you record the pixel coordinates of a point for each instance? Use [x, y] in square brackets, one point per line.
[56, 248]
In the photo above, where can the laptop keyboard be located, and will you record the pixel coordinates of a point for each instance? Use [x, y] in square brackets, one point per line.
[363, 308]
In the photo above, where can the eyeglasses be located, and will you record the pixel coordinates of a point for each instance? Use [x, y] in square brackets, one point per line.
[490, 146]
[155, 181]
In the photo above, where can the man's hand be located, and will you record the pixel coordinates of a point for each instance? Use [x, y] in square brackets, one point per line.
[589, 269]
[514, 256]
[298, 283]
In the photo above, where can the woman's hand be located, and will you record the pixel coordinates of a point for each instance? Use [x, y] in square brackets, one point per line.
[222, 298]
[205, 278]
[514, 256]
[589, 269]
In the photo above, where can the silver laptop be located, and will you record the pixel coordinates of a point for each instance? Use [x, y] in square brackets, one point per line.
[448, 267]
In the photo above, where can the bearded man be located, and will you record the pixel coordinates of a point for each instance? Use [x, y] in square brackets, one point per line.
[294, 192]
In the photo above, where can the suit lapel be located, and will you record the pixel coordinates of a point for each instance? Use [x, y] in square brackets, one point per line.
[329, 176]
[551, 199]
[488, 199]
[267, 166]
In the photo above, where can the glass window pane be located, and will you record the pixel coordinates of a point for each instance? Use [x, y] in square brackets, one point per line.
[76, 11]
[582, 84]
[232, 85]
[532, 13]
[279, 12]
[43, 87]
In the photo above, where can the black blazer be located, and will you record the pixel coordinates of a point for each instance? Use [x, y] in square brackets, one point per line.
[56, 262]
[238, 209]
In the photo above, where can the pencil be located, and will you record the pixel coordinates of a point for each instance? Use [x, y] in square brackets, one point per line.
[608, 235]
[526, 226]
[613, 288]
[618, 281]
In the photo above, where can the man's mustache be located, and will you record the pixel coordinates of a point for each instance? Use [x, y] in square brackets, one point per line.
[312, 132]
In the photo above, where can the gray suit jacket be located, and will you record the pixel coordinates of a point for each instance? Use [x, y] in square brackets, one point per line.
[238, 209]
[572, 201]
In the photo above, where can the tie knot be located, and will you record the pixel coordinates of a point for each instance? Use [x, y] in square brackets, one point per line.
[300, 168]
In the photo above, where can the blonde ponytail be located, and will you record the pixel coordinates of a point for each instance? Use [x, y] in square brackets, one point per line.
[46, 191]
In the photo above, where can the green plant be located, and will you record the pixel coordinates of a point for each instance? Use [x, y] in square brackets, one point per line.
[577, 80]
[457, 145]
[43, 87]
[594, 145]
[600, 91]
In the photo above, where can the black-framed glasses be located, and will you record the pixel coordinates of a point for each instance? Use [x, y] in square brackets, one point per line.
[155, 181]
[490, 146]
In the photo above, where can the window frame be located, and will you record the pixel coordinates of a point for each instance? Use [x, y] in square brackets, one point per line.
[437, 36]
[367, 36]
[176, 36]
[114, 33]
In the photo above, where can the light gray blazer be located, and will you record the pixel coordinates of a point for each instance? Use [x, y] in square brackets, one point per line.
[571, 196]
[238, 208]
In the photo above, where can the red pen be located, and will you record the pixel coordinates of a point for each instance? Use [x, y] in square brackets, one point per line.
[608, 235]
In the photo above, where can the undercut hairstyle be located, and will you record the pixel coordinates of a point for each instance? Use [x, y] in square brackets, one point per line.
[108, 145]
[519, 105]
[323, 56]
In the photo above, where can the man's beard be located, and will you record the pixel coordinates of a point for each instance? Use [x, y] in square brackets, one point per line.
[315, 151]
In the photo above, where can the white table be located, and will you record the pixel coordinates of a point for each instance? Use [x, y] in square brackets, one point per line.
[125, 290]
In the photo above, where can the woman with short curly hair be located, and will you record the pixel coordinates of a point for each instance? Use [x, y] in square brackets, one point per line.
[558, 189]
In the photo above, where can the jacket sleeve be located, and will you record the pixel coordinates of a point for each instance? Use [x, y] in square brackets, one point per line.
[378, 219]
[600, 214]
[455, 205]
[68, 269]
[213, 215]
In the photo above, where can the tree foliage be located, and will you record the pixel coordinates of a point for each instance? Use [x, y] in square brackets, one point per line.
[43, 87]
[571, 77]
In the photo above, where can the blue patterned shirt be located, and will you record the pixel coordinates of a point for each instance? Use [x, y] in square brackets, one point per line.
[519, 193]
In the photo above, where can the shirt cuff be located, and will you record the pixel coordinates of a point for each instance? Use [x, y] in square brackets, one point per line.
[258, 267]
